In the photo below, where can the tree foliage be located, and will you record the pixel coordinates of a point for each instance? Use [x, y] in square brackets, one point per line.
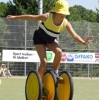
[79, 13]
[28, 6]
[48, 5]
[3, 9]
[17, 7]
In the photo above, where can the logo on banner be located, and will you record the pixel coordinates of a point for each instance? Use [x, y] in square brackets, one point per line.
[70, 58]
[96, 57]
[64, 57]
[83, 56]
[49, 56]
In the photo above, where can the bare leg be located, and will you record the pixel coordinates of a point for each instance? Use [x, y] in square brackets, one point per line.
[8, 72]
[41, 50]
[3, 73]
[58, 53]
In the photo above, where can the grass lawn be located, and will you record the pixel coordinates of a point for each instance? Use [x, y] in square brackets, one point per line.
[86, 89]
[14, 89]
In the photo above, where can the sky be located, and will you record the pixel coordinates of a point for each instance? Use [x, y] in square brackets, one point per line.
[88, 4]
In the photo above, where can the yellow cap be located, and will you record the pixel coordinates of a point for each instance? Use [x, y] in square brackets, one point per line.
[61, 7]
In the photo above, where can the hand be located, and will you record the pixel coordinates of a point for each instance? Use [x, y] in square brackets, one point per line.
[10, 17]
[88, 40]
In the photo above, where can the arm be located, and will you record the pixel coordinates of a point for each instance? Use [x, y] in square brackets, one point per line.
[41, 17]
[76, 36]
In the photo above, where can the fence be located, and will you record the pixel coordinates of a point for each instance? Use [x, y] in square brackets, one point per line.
[17, 35]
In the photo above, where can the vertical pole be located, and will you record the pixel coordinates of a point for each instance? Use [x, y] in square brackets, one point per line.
[25, 45]
[40, 10]
[88, 70]
[65, 66]
[8, 65]
[8, 68]
[91, 70]
[88, 49]
[40, 5]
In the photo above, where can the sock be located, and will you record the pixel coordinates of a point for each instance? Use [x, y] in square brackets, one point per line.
[56, 71]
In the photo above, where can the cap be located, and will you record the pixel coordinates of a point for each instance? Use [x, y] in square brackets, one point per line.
[2, 64]
[62, 7]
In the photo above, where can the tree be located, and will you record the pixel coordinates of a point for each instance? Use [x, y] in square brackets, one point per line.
[18, 7]
[48, 5]
[97, 12]
[3, 9]
[79, 13]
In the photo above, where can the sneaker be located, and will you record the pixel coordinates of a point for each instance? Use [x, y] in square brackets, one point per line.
[58, 77]
[4, 76]
[10, 75]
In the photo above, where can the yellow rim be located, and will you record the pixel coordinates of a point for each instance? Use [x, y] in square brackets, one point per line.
[49, 85]
[64, 89]
[32, 87]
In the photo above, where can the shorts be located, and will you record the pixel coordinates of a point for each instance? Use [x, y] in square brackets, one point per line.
[40, 37]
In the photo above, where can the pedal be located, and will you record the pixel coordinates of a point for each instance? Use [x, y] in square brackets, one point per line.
[60, 81]
[44, 98]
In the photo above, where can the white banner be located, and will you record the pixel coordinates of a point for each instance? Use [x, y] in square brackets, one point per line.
[32, 56]
[24, 56]
[72, 57]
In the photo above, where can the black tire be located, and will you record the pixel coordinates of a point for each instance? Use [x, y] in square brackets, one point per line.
[33, 86]
[52, 82]
[65, 90]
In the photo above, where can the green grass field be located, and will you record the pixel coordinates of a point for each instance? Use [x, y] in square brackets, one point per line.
[84, 89]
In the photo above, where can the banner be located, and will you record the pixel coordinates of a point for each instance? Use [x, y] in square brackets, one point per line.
[89, 58]
[24, 56]
[32, 56]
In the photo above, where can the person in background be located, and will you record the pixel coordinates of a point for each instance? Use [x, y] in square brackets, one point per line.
[52, 24]
[4, 71]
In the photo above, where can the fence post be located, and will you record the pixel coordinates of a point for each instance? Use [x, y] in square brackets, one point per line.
[25, 45]
[37, 65]
[91, 70]
[40, 11]
[88, 49]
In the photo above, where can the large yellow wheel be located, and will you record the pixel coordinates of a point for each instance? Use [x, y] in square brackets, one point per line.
[65, 89]
[50, 85]
[33, 86]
